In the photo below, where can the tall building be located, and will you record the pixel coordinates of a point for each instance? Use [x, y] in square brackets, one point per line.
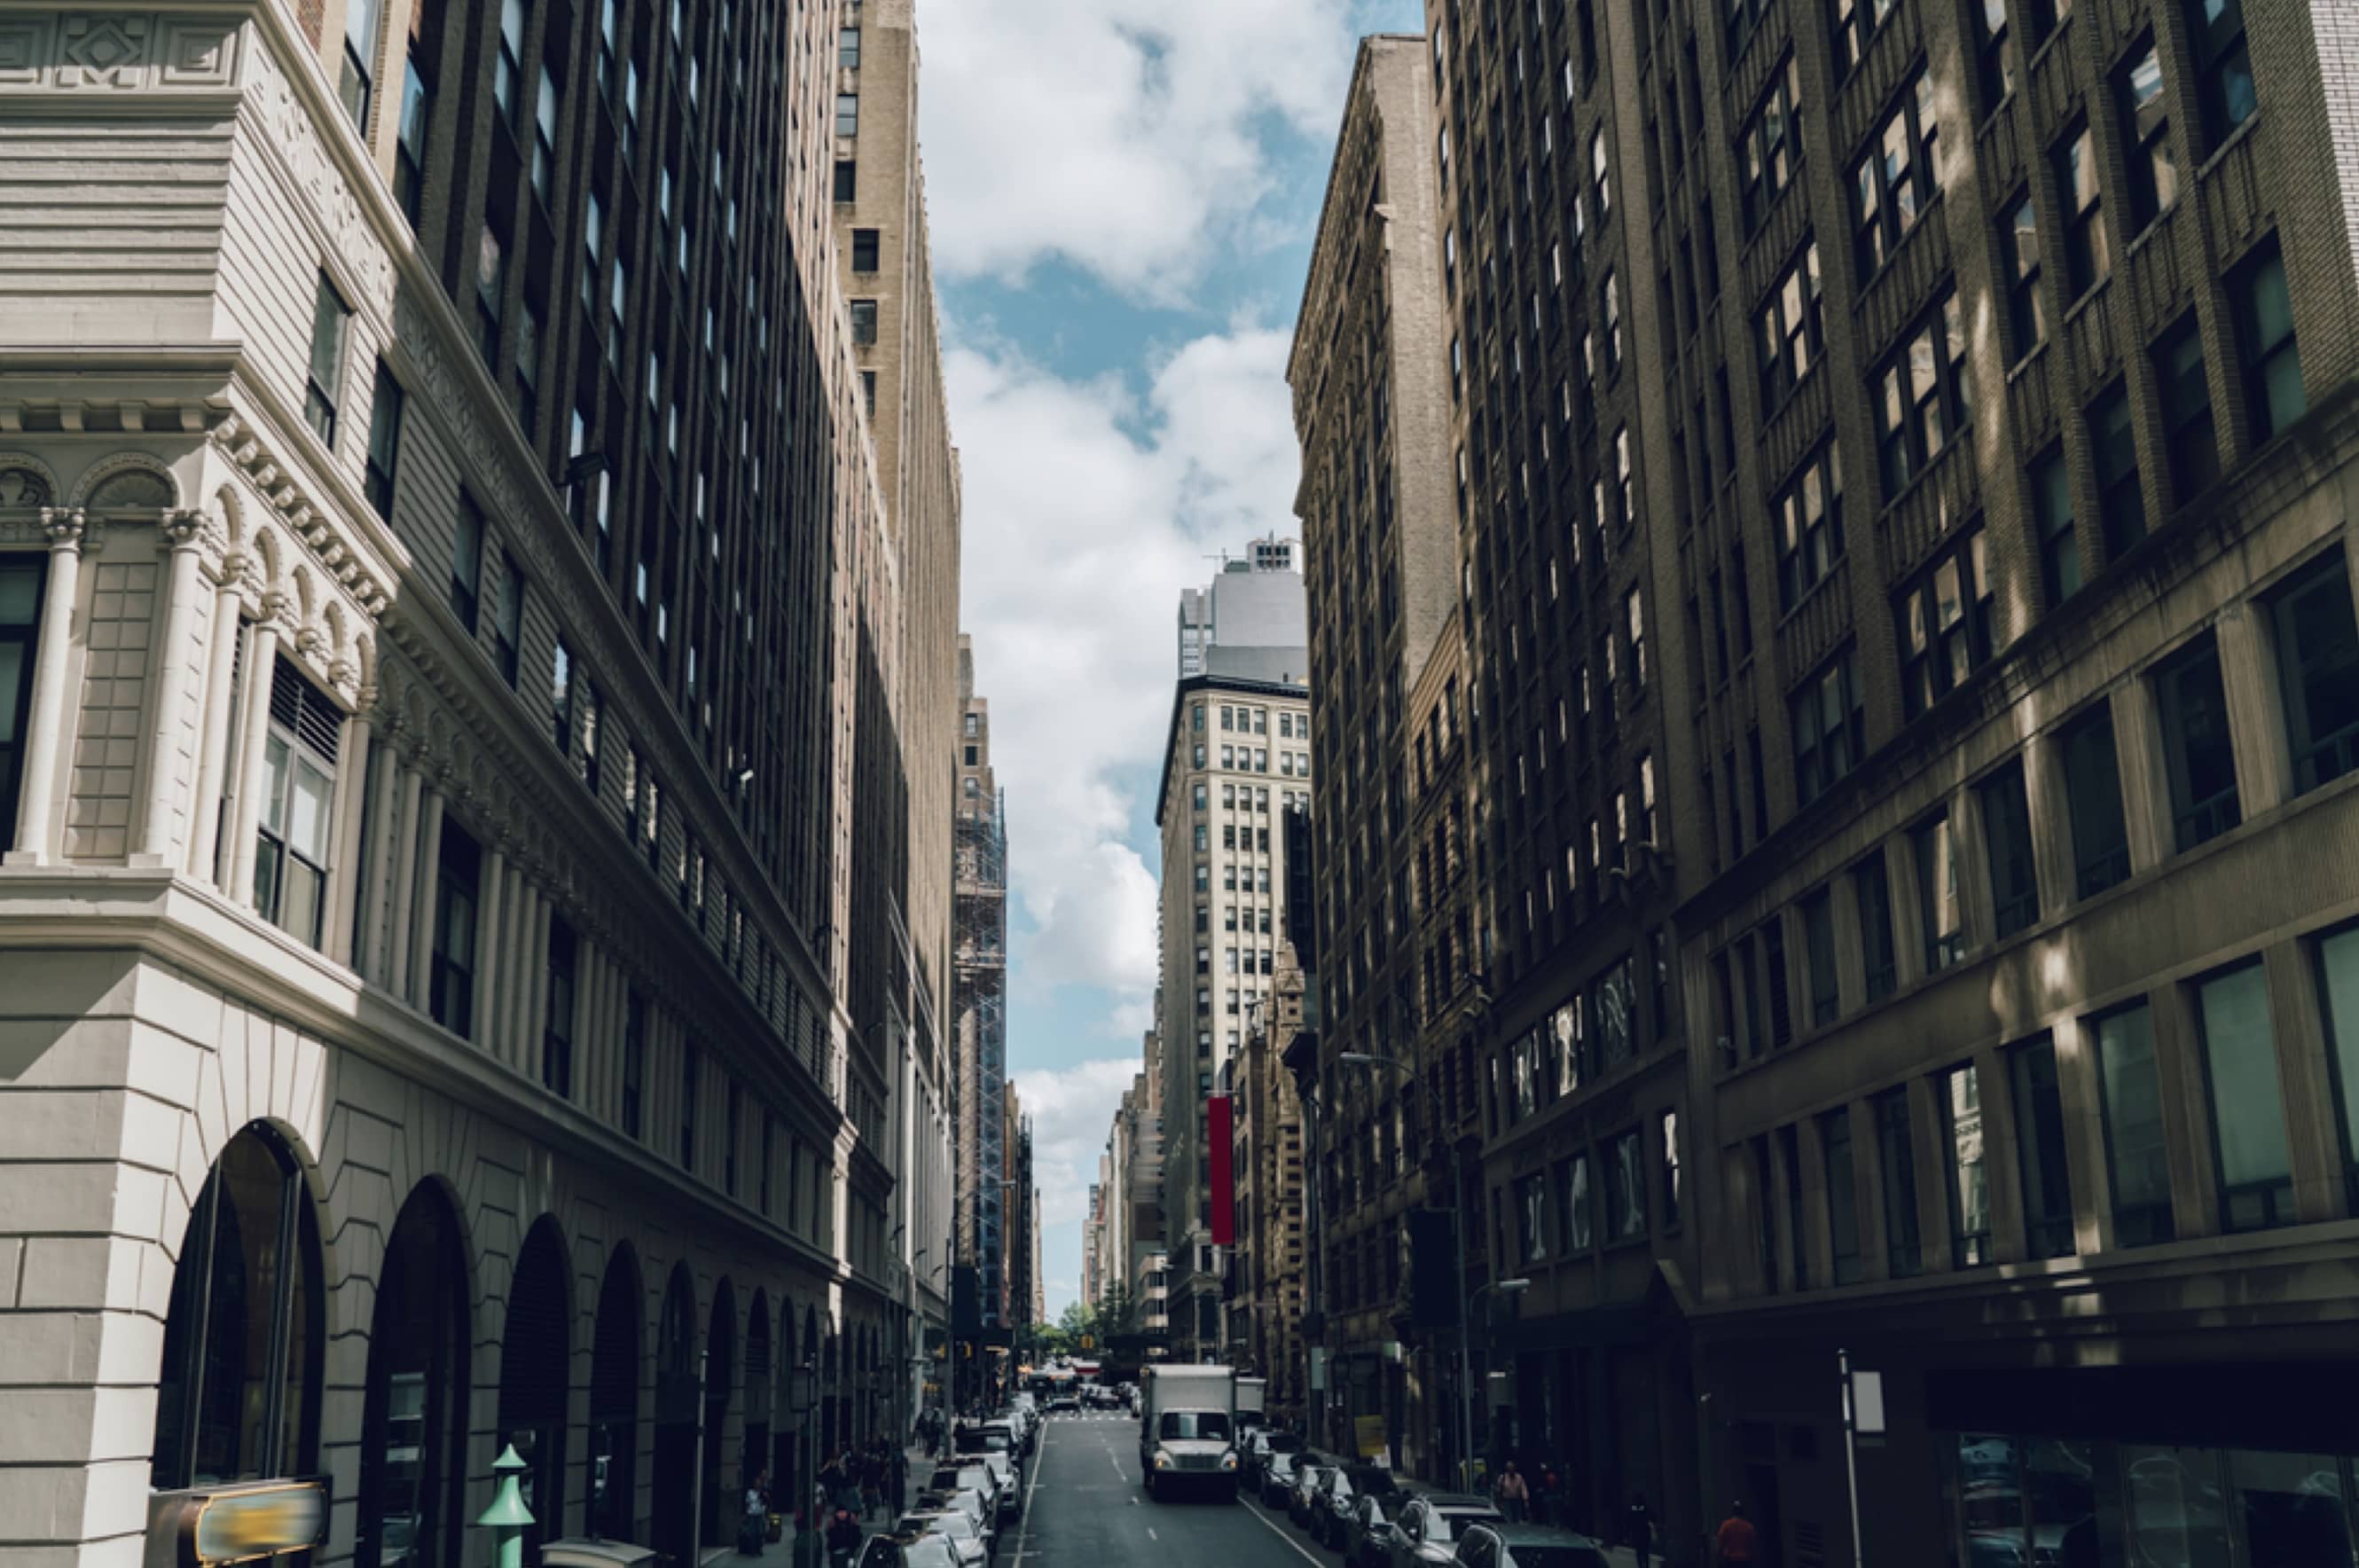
[1023, 1239]
[1251, 611]
[1909, 782]
[1269, 1274]
[1237, 756]
[907, 618]
[434, 493]
[1372, 408]
[979, 1000]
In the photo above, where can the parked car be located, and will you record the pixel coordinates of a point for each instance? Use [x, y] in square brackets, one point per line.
[1259, 1444]
[1360, 1534]
[971, 1474]
[971, 1503]
[1425, 1530]
[1275, 1479]
[1065, 1401]
[1344, 1485]
[947, 1524]
[1309, 1478]
[1010, 1479]
[1501, 1545]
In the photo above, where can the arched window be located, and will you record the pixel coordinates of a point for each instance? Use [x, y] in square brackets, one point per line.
[238, 1396]
[414, 1415]
[613, 1504]
[535, 1366]
[673, 1524]
[759, 1384]
[719, 1374]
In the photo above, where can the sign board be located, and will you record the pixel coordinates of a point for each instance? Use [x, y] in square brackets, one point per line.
[1368, 1435]
[224, 1525]
[1318, 1368]
[1867, 1403]
[1220, 1138]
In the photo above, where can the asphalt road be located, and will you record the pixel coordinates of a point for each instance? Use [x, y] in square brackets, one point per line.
[1088, 1511]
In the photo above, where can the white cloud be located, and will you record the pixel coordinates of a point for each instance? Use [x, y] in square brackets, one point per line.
[1071, 1111]
[1087, 508]
[1127, 137]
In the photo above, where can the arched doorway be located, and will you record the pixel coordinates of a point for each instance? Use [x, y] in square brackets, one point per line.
[759, 1385]
[785, 1474]
[535, 1372]
[673, 1514]
[611, 1508]
[720, 1377]
[238, 1393]
[414, 1413]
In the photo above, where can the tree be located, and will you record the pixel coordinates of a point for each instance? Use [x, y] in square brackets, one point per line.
[1116, 1312]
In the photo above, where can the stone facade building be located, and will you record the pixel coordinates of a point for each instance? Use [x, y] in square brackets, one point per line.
[1904, 456]
[431, 484]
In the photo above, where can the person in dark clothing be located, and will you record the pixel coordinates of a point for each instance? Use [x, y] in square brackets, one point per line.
[1639, 1528]
[842, 1540]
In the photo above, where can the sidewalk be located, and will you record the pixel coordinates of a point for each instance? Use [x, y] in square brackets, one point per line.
[919, 1465]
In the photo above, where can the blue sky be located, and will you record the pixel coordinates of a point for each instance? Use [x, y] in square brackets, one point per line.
[1123, 195]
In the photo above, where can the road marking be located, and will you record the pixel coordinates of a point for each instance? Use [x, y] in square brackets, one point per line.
[1255, 1509]
[1024, 1534]
[1151, 1535]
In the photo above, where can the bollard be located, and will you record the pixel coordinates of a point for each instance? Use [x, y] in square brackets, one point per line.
[508, 1514]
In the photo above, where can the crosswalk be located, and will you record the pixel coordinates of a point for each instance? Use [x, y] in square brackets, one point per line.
[1092, 1416]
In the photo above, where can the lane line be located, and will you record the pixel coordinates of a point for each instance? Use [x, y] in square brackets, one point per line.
[1151, 1535]
[1024, 1535]
[1255, 1509]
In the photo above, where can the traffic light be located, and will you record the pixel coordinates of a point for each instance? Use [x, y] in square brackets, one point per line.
[1089, 1342]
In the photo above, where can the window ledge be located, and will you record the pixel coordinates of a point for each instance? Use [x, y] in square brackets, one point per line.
[2235, 137]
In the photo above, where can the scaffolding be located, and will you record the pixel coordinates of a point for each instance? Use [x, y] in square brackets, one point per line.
[978, 950]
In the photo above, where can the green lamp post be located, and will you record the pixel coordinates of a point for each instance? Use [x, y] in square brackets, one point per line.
[508, 1514]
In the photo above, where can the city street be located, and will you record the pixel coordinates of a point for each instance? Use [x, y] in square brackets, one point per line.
[1088, 1511]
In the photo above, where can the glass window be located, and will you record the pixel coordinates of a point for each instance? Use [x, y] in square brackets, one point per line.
[1531, 1217]
[2146, 135]
[557, 1035]
[1574, 1209]
[2051, 512]
[507, 629]
[2188, 434]
[2138, 1152]
[2087, 258]
[2338, 988]
[1923, 397]
[2272, 363]
[865, 250]
[1996, 53]
[2039, 1149]
[1829, 729]
[21, 626]
[847, 179]
[2006, 844]
[2248, 1129]
[1962, 1128]
[847, 47]
[2223, 69]
[635, 1061]
[2196, 748]
[1770, 145]
[1808, 515]
[467, 563]
[1896, 1152]
[1626, 1189]
[330, 323]
[1856, 22]
[2113, 439]
[2026, 316]
[451, 981]
[1842, 1195]
[1670, 1126]
[1871, 884]
[409, 148]
[238, 1392]
[847, 122]
[1937, 894]
[1898, 178]
[2092, 791]
[293, 826]
[1819, 942]
[354, 86]
[1792, 331]
[2318, 669]
[384, 442]
[864, 322]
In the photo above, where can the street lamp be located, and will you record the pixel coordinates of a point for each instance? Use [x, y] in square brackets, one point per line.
[1466, 1359]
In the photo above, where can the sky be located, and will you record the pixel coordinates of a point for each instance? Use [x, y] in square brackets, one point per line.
[1123, 195]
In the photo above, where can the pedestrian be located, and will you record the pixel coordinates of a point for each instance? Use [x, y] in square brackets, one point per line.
[842, 1540]
[1739, 1542]
[1639, 1525]
[754, 1528]
[872, 1478]
[1514, 1496]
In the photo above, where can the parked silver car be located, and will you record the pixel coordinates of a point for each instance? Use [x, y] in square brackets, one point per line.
[1424, 1533]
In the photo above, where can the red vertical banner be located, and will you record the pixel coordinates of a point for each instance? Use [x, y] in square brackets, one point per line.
[1220, 1137]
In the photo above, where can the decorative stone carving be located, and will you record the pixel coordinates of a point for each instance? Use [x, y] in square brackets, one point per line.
[125, 481]
[25, 482]
[63, 525]
[96, 50]
[183, 528]
[295, 137]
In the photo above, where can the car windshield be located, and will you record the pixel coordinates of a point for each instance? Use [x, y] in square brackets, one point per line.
[1554, 1557]
[1281, 1464]
[985, 1442]
[1281, 1442]
[1211, 1426]
[950, 1523]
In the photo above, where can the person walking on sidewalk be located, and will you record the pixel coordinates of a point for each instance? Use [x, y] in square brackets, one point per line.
[754, 1528]
[1639, 1525]
[842, 1540]
[1738, 1542]
[1515, 1495]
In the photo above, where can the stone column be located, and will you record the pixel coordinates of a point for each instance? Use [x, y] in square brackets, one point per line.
[184, 537]
[217, 724]
[532, 974]
[383, 808]
[421, 911]
[2146, 786]
[254, 735]
[402, 868]
[45, 726]
[346, 873]
[490, 969]
[2248, 677]
[514, 932]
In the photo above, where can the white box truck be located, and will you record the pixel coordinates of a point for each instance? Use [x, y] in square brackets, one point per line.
[1188, 1430]
[1253, 1403]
